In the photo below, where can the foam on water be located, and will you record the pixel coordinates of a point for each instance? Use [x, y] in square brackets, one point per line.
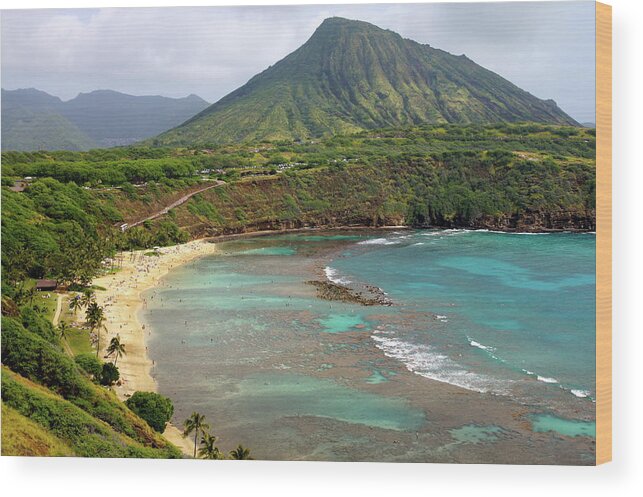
[425, 361]
[545, 379]
[580, 393]
[478, 345]
[379, 241]
[332, 276]
[268, 251]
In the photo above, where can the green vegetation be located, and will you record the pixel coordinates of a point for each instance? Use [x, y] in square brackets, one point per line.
[241, 453]
[207, 448]
[41, 382]
[154, 408]
[116, 348]
[53, 230]
[79, 342]
[87, 435]
[195, 424]
[109, 374]
[24, 437]
[350, 76]
[90, 364]
[525, 176]
[504, 176]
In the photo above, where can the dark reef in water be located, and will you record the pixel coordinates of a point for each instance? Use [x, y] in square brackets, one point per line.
[332, 291]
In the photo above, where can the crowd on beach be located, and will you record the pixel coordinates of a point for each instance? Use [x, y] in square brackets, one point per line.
[123, 297]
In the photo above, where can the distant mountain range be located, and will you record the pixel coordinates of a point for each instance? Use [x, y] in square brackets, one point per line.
[352, 75]
[35, 120]
[349, 76]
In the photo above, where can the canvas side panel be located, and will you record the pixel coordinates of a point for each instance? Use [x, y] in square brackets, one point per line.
[603, 233]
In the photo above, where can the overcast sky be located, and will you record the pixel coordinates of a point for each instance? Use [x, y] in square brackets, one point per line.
[546, 48]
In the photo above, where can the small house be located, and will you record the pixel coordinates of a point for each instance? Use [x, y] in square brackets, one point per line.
[46, 285]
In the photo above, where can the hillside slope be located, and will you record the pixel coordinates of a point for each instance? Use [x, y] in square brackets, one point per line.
[350, 76]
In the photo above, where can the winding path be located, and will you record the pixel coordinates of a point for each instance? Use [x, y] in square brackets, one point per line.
[174, 204]
[59, 307]
[56, 319]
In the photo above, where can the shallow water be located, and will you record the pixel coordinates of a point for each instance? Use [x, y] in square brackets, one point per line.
[569, 427]
[242, 338]
[476, 434]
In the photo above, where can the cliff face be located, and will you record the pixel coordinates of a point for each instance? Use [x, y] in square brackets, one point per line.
[534, 222]
[361, 196]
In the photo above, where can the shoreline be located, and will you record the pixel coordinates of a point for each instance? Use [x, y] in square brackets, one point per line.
[122, 301]
[225, 237]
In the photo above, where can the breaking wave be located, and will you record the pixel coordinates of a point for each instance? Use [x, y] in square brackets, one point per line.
[333, 276]
[379, 241]
[423, 360]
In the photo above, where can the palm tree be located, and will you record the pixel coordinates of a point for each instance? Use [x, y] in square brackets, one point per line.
[88, 298]
[208, 448]
[63, 328]
[240, 453]
[195, 423]
[75, 304]
[95, 318]
[116, 348]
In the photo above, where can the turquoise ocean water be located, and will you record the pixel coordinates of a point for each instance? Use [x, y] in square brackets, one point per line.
[505, 305]
[243, 337]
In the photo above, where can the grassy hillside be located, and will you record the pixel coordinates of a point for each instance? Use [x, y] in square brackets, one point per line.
[351, 76]
[42, 383]
[23, 437]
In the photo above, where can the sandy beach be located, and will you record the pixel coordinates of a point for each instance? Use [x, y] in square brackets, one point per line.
[122, 300]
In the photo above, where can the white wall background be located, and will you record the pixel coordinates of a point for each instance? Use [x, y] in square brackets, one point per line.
[59, 477]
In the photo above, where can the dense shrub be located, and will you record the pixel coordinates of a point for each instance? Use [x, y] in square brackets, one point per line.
[38, 324]
[109, 374]
[90, 364]
[154, 408]
[35, 358]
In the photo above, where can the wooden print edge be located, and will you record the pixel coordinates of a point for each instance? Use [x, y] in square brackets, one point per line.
[603, 233]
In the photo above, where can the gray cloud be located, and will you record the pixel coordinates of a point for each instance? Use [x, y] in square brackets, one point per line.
[546, 48]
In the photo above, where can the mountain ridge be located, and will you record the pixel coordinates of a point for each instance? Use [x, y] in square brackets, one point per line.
[352, 75]
[35, 120]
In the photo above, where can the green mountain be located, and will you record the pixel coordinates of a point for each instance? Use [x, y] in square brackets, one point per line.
[112, 118]
[31, 120]
[352, 75]
[35, 120]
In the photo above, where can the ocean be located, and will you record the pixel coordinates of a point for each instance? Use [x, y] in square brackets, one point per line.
[489, 344]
